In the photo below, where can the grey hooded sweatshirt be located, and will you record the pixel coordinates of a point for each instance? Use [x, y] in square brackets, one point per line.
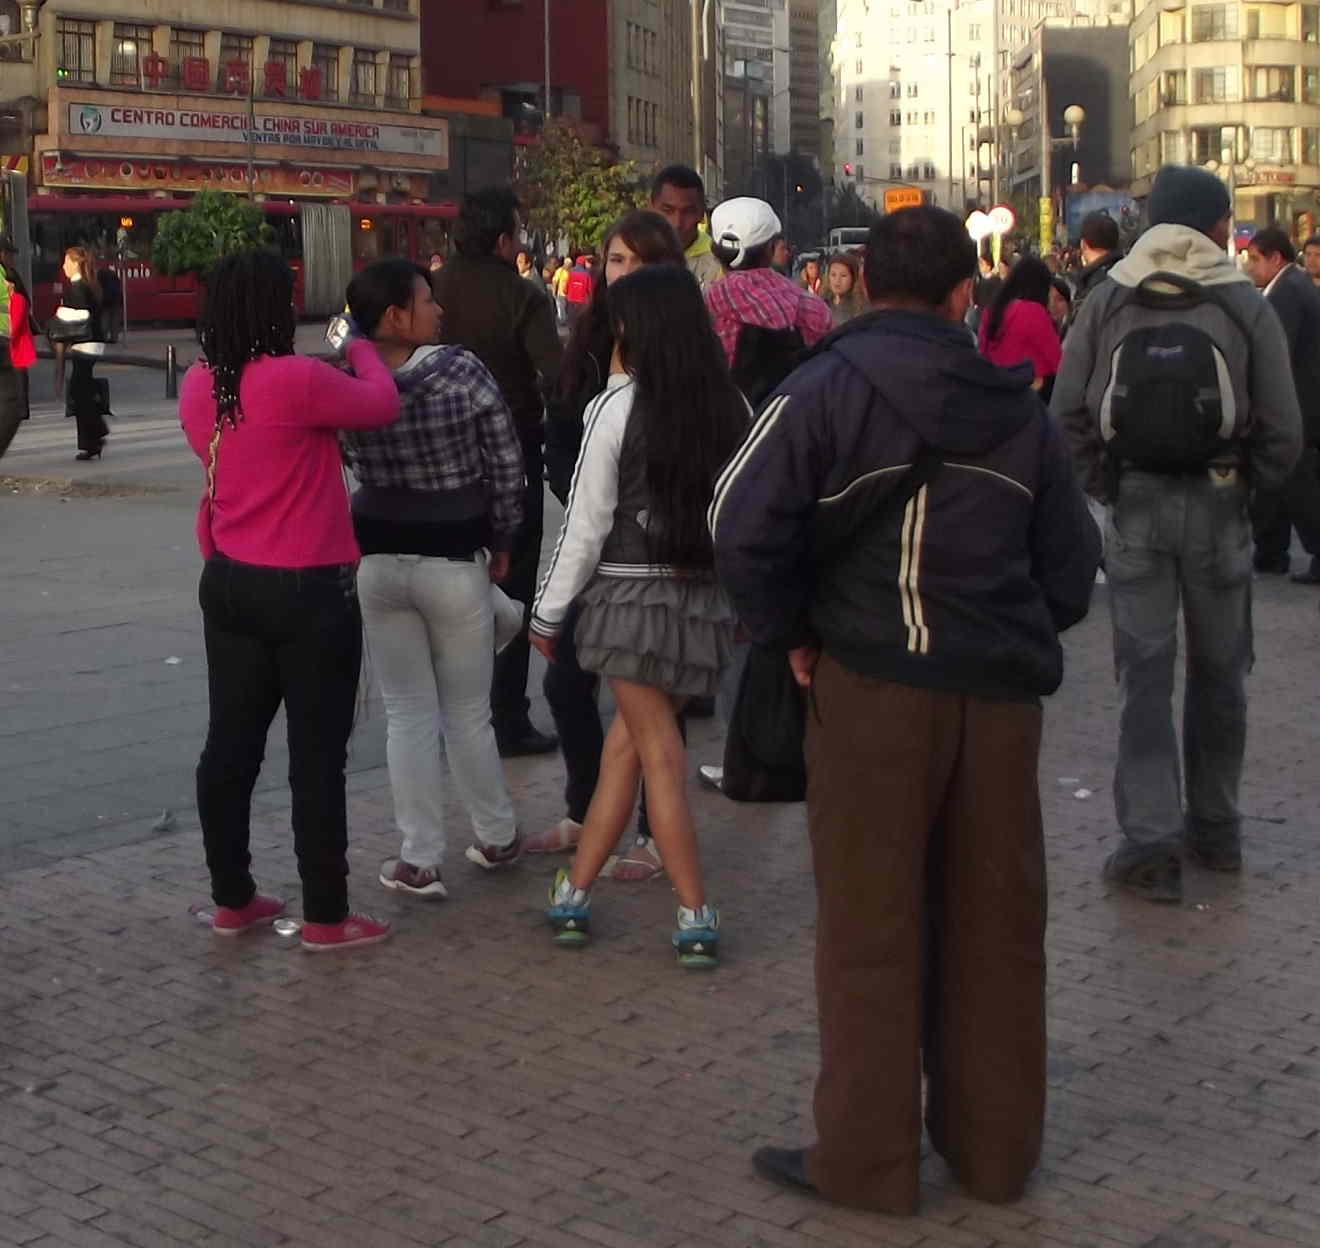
[1258, 362]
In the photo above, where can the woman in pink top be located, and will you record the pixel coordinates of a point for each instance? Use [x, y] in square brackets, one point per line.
[279, 606]
[1018, 327]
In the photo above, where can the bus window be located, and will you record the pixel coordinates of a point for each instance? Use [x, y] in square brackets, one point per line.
[366, 240]
[287, 236]
[432, 239]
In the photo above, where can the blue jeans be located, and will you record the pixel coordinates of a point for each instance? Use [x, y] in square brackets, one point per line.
[1170, 542]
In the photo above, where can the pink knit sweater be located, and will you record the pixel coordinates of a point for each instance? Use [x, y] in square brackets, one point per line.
[280, 500]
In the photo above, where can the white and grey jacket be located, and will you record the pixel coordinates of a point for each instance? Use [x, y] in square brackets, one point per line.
[1258, 363]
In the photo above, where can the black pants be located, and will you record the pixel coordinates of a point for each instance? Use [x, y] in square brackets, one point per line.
[85, 402]
[509, 703]
[13, 405]
[1296, 504]
[291, 635]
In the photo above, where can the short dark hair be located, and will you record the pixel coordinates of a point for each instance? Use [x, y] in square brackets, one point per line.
[1272, 241]
[918, 253]
[484, 216]
[1100, 230]
[379, 287]
[684, 177]
[1313, 241]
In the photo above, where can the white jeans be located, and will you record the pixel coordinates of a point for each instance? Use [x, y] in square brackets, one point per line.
[430, 635]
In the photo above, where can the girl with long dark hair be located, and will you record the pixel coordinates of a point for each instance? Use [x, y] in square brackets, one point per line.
[1018, 326]
[634, 241]
[279, 607]
[636, 554]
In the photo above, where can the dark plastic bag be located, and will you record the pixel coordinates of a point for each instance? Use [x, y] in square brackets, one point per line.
[763, 759]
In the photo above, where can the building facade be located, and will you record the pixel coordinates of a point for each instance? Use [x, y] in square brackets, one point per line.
[622, 70]
[804, 77]
[1234, 87]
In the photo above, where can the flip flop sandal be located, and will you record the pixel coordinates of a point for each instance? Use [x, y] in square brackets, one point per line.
[564, 835]
[640, 863]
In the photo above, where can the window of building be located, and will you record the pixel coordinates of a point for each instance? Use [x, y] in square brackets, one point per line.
[398, 6]
[928, 119]
[1310, 84]
[131, 44]
[363, 88]
[1272, 143]
[280, 74]
[184, 45]
[861, 147]
[859, 121]
[325, 61]
[896, 170]
[398, 81]
[234, 73]
[1311, 145]
[1271, 82]
[1173, 148]
[1214, 21]
[895, 117]
[1207, 143]
[858, 38]
[1173, 88]
[913, 89]
[1216, 86]
[929, 170]
[914, 119]
[974, 32]
[75, 49]
[1171, 26]
[914, 172]
[895, 90]
[895, 146]
[861, 173]
[1311, 23]
[859, 94]
[1268, 21]
[928, 35]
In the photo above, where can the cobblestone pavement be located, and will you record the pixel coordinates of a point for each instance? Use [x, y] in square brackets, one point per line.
[466, 1083]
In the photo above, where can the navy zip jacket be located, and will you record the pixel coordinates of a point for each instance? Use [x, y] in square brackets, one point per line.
[962, 585]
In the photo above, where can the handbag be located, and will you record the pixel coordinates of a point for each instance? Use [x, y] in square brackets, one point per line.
[764, 760]
[70, 325]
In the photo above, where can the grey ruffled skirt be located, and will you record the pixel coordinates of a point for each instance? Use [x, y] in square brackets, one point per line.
[672, 632]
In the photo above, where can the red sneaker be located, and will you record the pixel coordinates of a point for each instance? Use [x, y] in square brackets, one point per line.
[258, 912]
[355, 930]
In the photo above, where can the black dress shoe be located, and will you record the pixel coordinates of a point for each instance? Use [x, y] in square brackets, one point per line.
[785, 1166]
[525, 741]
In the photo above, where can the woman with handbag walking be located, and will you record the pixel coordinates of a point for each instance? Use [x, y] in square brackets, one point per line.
[279, 606]
[77, 325]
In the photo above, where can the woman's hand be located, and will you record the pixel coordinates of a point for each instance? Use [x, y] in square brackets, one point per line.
[498, 567]
[544, 646]
[803, 661]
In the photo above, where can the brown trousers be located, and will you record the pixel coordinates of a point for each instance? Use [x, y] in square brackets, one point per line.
[926, 838]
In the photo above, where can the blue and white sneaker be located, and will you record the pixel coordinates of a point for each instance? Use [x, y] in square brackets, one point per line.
[569, 912]
[697, 938]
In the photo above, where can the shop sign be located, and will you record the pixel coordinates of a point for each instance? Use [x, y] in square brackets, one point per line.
[902, 197]
[189, 175]
[194, 74]
[206, 125]
[1273, 177]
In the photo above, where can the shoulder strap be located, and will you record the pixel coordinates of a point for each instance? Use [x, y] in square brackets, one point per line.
[1186, 293]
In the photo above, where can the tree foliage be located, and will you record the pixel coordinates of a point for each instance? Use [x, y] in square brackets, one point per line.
[849, 209]
[214, 224]
[571, 190]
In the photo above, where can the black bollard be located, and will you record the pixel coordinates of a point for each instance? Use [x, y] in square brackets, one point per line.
[171, 374]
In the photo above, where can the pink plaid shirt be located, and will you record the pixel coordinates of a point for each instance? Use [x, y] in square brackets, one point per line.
[762, 297]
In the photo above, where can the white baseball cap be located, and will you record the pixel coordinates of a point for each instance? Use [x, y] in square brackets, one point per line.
[741, 224]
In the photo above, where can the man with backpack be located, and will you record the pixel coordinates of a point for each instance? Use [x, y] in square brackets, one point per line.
[764, 321]
[1177, 397]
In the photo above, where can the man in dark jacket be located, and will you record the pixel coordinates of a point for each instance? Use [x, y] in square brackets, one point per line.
[510, 327]
[904, 521]
[1099, 254]
[1271, 265]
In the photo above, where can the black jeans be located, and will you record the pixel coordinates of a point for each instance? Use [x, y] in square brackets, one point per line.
[509, 703]
[1296, 503]
[291, 635]
[85, 403]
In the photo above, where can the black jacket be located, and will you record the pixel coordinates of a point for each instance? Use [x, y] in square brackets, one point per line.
[1295, 298]
[963, 586]
[1088, 278]
[509, 326]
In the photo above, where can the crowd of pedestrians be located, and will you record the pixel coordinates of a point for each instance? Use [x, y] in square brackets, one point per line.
[855, 474]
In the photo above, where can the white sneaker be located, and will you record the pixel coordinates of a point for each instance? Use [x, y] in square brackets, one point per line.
[711, 777]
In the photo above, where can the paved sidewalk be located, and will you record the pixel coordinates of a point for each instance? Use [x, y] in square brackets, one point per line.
[468, 1084]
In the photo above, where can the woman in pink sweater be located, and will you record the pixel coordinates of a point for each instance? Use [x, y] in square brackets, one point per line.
[1018, 328]
[277, 593]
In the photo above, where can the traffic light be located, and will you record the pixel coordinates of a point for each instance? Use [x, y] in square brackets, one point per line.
[847, 169]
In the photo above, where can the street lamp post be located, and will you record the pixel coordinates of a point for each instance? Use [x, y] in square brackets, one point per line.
[1228, 165]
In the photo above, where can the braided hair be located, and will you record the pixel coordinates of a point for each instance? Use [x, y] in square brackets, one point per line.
[248, 313]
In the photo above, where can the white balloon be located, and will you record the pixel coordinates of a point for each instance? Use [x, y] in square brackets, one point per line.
[1002, 219]
[979, 225]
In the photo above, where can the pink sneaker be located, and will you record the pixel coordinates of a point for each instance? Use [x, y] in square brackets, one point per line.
[355, 930]
[258, 912]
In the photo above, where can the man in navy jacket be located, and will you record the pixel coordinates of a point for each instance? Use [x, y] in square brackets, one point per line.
[904, 520]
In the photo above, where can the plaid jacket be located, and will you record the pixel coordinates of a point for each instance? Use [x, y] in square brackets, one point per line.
[762, 297]
[454, 434]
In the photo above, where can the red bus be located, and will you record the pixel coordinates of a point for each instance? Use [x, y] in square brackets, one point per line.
[323, 243]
